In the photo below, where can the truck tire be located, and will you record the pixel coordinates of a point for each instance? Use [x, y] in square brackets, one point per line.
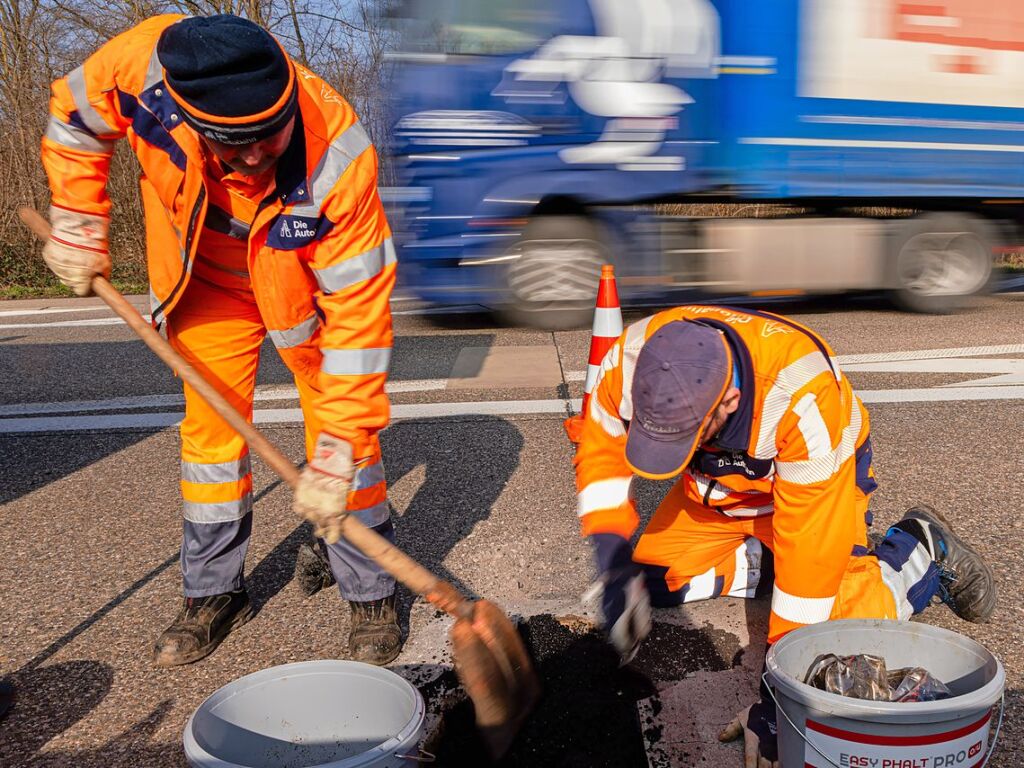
[939, 261]
[553, 283]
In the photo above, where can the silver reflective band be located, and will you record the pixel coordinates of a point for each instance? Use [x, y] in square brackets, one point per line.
[154, 73]
[224, 472]
[91, 118]
[356, 269]
[75, 138]
[801, 610]
[219, 512]
[332, 166]
[356, 362]
[293, 337]
[368, 476]
[372, 516]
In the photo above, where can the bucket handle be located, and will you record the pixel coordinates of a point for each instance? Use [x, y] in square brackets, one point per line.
[778, 708]
[422, 757]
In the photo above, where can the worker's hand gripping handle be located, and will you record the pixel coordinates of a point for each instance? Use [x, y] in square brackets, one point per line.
[370, 543]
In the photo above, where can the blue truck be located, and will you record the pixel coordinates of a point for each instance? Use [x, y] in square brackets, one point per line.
[705, 148]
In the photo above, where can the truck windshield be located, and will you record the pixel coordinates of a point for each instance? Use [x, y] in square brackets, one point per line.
[475, 27]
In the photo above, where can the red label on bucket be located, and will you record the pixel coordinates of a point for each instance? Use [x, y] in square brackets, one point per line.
[962, 748]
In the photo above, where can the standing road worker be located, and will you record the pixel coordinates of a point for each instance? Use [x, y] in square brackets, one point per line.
[262, 218]
[774, 450]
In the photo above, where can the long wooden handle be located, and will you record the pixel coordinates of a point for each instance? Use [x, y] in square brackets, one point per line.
[370, 543]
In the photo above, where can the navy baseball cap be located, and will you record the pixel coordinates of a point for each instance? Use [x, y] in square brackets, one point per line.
[682, 373]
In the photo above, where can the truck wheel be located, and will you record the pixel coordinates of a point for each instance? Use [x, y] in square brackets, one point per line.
[939, 261]
[553, 283]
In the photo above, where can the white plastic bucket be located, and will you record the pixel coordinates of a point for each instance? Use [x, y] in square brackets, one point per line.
[824, 730]
[322, 714]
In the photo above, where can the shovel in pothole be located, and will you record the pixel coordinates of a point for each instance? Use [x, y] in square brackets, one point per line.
[490, 658]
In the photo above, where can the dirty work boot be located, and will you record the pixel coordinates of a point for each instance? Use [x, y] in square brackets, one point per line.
[312, 571]
[200, 627]
[966, 582]
[375, 637]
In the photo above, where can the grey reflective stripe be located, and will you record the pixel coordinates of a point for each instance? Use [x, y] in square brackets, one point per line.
[374, 515]
[156, 316]
[155, 72]
[74, 137]
[356, 362]
[332, 166]
[368, 476]
[357, 269]
[219, 512]
[91, 118]
[225, 472]
[294, 336]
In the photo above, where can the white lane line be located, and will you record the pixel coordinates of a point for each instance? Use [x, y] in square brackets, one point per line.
[52, 311]
[68, 323]
[459, 310]
[925, 354]
[499, 408]
[117, 421]
[162, 401]
[941, 395]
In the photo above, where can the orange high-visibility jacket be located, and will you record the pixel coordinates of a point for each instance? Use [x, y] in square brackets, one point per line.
[797, 448]
[320, 255]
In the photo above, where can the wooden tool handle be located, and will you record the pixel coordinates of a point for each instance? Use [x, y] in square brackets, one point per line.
[369, 542]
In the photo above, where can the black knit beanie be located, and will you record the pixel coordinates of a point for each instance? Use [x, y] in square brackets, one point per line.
[231, 78]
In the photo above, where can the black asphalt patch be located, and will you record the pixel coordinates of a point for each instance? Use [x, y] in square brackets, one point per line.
[587, 716]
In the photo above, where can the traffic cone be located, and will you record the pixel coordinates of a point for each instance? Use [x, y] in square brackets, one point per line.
[607, 329]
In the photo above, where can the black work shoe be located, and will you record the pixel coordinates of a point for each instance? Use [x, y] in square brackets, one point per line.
[200, 627]
[966, 582]
[375, 637]
[312, 570]
[6, 697]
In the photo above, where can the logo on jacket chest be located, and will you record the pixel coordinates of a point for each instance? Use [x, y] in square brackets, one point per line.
[718, 464]
[288, 232]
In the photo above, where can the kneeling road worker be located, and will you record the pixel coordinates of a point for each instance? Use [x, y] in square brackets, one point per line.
[262, 218]
[774, 452]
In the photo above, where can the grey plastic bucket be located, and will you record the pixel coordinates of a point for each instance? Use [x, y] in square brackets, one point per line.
[822, 730]
[328, 714]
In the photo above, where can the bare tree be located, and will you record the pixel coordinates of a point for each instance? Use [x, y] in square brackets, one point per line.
[40, 40]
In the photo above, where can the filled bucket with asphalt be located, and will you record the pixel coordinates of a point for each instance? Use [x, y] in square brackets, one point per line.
[818, 729]
[313, 714]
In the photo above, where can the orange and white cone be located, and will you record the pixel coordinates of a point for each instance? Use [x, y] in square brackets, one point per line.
[606, 331]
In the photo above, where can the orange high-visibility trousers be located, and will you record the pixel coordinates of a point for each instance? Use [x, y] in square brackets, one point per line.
[220, 332]
[692, 553]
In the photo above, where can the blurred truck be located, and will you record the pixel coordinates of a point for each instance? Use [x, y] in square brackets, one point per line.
[820, 146]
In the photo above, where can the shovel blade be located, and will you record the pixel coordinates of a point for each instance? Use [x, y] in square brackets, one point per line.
[496, 672]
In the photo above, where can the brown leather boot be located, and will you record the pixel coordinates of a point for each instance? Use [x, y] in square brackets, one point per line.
[200, 627]
[375, 637]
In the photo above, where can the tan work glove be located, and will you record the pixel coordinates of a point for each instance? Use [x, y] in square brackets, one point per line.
[77, 249]
[321, 497]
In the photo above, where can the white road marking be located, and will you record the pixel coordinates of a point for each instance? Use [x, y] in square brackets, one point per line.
[52, 311]
[938, 395]
[132, 403]
[924, 354]
[118, 421]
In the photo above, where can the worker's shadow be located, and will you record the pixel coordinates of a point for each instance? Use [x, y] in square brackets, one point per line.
[82, 685]
[443, 478]
[444, 481]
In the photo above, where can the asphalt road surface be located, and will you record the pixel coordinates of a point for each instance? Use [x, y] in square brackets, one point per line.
[481, 482]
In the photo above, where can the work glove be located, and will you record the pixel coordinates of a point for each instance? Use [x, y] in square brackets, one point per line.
[321, 496]
[625, 604]
[77, 249]
[757, 725]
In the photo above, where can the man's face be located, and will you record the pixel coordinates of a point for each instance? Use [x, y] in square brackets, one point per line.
[253, 159]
